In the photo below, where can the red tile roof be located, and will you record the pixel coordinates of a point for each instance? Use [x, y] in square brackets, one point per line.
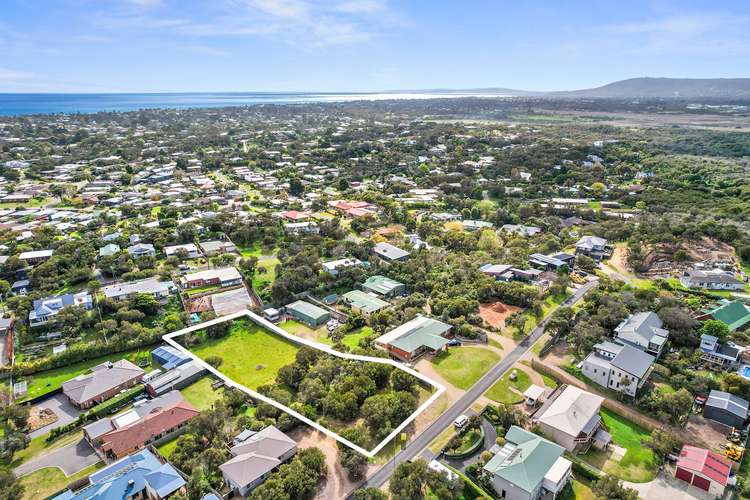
[159, 421]
[295, 215]
[710, 464]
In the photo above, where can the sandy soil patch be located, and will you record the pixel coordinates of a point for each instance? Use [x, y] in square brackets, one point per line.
[39, 417]
[495, 313]
[706, 433]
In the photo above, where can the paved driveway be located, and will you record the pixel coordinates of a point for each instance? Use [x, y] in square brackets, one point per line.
[70, 459]
[667, 487]
[65, 412]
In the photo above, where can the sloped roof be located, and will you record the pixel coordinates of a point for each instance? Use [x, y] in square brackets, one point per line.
[246, 468]
[103, 378]
[381, 284]
[730, 402]
[270, 442]
[734, 314]
[365, 301]
[642, 328]
[415, 333]
[708, 463]
[632, 360]
[572, 410]
[525, 459]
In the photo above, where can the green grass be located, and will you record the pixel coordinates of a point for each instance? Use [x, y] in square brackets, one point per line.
[201, 289]
[352, 338]
[639, 464]
[501, 392]
[200, 394]
[582, 491]
[50, 480]
[549, 381]
[265, 272]
[468, 440]
[302, 330]
[463, 366]
[439, 442]
[166, 449]
[251, 355]
[49, 380]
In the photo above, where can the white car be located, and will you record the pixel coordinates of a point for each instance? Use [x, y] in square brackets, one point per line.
[461, 421]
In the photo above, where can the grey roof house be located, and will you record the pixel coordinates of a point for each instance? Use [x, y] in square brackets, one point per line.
[104, 381]
[622, 368]
[644, 331]
[390, 252]
[726, 409]
[47, 308]
[255, 458]
[142, 250]
[151, 286]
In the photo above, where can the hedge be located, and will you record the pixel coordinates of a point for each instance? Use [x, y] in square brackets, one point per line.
[584, 471]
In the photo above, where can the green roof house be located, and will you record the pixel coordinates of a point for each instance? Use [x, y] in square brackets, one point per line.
[735, 314]
[383, 286]
[308, 313]
[412, 339]
[528, 467]
[364, 303]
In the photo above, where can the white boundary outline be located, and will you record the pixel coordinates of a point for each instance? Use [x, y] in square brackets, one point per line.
[169, 338]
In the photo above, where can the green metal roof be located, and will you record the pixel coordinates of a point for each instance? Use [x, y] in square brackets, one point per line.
[525, 459]
[735, 314]
[365, 301]
[428, 333]
[307, 309]
[381, 284]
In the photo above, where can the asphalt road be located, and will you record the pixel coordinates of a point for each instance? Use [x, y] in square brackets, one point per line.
[380, 477]
[70, 459]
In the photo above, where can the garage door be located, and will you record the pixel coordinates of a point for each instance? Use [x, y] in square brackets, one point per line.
[701, 482]
[685, 475]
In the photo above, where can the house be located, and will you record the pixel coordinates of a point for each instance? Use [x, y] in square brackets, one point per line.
[175, 378]
[109, 249]
[104, 381]
[140, 475]
[294, 215]
[36, 256]
[136, 428]
[308, 313]
[475, 225]
[216, 247]
[223, 277]
[722, 355]
[416, 337]
[520, 230]
[382, 285]
[141, 250]
[47, 308]
[159, 290]
[333, 266]
[715, 279]
[593, 246]
[528, 467]
[644, 331]
[6, 341]
[189, 249]
[364, 303]
[622, 368]
[726, 409]
[354, 209]
[733, 313]
[308, 227]
[390, 252]
[703, 469]
[571, 419]
[255, 458]
[551, 262]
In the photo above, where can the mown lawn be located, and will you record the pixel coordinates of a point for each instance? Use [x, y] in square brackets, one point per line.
[166, 449]
[302, 330]
[639, 464]
[251, 355]
[463, 366]
[49, 380]
[501, 392]
[200, 394]
[50, 480]
[265, 272]
[352, 338]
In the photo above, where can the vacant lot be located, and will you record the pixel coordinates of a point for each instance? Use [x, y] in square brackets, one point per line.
[463, 366]
[304, 331]
[352, 338]
[250, 354]
[501, 391]
[639, 463]
[495, 313]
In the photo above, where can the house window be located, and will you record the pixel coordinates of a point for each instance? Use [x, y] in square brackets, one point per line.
[502, 495]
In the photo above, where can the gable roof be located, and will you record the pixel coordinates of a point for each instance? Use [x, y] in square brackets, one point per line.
[641, 329]
[571, 411]
[270, 442]
[415, 333]
[257, 455]
[390, 251]
[381, 284]
[735, 314]
[632, 360]
[730, 402]
[104, 377]
[525, 459]
[708, 463]
[365, 301]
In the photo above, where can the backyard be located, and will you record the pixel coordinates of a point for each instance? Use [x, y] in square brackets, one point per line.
[304, 331]
[49, 380]
[200, 394]
[250, 354]
[638, 464]
[352, 338]
[501, 392]
[463, 366]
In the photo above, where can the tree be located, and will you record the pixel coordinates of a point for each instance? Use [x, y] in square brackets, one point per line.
[351, 460]
[295, 186]
[663, 441]
[370, 494]
[402, 381]
[10, 487]
[716, 328]
[585, 263]
[611, 488]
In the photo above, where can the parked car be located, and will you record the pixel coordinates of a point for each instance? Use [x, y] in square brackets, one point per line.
[461, 421]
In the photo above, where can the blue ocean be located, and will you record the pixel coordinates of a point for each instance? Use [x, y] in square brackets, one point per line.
[25, 104]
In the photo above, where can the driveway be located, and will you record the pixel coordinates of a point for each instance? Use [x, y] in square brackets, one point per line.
[70, 459]
[65, 412]
[490, 436]
[666, 486]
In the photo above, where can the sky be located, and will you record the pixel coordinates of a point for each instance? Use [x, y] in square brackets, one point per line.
[363, 45]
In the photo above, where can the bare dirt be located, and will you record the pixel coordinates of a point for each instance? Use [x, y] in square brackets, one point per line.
[39, 417]
[495, 313]
[660, 258]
